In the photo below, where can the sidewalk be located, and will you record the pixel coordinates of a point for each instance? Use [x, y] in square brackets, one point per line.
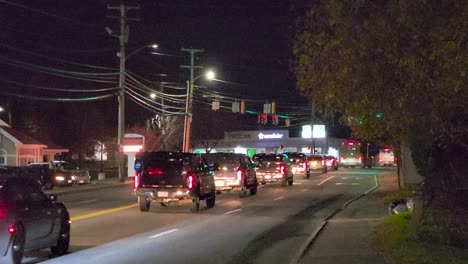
[347, 237]
[93, 185]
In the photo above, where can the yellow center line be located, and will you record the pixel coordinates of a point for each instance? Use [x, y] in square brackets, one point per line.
[329, 178]
[102, 212]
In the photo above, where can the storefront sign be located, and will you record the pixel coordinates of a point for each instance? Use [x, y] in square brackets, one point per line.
[262, 136]
[319, 131]
[306, 131]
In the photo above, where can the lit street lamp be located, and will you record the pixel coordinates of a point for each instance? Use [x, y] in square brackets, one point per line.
[209, 75]
[153, 95]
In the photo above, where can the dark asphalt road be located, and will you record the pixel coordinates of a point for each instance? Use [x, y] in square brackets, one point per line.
[266, 228]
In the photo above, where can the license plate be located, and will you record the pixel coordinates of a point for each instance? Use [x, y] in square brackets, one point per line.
[82, 181]
[70, 181]
[163, 194]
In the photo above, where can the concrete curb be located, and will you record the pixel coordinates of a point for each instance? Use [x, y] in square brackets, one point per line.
[310, 239]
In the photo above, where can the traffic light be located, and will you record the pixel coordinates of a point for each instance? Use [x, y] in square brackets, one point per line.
[262, 119]
[273, 108]
[378, 116]
[274, 119]
[242, 107]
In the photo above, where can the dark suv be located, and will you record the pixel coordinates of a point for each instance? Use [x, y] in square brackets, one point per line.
[167, 177]
[233, 171]
[30, 220]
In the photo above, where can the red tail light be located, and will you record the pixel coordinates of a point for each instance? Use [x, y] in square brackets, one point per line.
[239, 175]
[323, 162]
[137, 180]
[283, 169]
[190, 181]
[360, 159]
[342, 159]
[157, 172]
[11, 230]
[2, 213]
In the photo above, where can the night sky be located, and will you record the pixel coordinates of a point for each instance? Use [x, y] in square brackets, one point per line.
[247, 43]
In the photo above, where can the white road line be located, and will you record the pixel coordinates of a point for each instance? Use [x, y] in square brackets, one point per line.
[329, 178]
[304, 189]
[279, 198]
[233, 211]
[346, 183]
[164, 233]
[87, 201]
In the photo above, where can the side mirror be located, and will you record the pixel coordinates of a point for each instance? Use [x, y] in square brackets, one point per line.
[53, 197]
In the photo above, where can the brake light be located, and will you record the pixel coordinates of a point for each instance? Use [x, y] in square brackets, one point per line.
[190, 181]
[11, 230]
[239, 175]
[2, 213]
[137, 180]
[283, 169]
[342, 159]
[157, 172]
[360, 159]
[323, 163]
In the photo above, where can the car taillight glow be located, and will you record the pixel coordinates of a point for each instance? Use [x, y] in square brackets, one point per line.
[360, 159]
[137, 180]
[11, 230]
[190, 181]
[157, 172]
[283, 169]
[239, 175]
[323, 163]
[2, 213]
[342, 159]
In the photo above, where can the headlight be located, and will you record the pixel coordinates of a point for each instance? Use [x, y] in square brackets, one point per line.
[59, 178]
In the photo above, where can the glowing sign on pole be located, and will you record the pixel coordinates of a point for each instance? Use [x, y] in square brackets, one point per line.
[306, 131]
[130, 148]
[319, 131]
[262, 136]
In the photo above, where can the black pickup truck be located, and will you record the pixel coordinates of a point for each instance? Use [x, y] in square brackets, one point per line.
[167, 177]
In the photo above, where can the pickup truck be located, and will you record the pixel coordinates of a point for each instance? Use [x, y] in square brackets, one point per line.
[168, 177]
[274, 167]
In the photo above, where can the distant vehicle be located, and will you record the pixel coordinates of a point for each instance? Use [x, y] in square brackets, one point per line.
[78, 175]
[316, 163]
[299, 163]
[350, 155]
[386, 157]
[274, 167]
[30, 220]
[331, 162]
[166, 177]
[233, 171]
[47, 175]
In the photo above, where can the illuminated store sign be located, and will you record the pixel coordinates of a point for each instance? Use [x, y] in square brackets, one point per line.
[269, 136]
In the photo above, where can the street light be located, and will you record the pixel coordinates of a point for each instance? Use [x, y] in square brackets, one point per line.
[209, 75]
[153, 95]
[153, 46]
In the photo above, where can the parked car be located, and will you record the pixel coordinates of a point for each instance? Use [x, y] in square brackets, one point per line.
[30, 220]
[317, 163]
[233, 171]
[274, 167]
[47, 175]
[172, 176]
[299, 163]
[331, 162]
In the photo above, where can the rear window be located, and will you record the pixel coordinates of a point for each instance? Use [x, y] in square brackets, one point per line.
[316, 158]
[160, 163]
[273, 158]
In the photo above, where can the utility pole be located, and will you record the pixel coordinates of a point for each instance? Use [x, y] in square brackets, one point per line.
[123, 39]
[188, 103]
[313, 123]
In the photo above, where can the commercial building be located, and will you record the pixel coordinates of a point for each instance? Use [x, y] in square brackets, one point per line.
[268, 141]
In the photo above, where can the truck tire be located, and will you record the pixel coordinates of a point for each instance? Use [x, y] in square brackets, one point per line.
[195, 207]
[243, 192]
[253, 190]
[210, 202]
[144, 204]
[290, 182]
[16, 247]
[63, 241]
[308, 175]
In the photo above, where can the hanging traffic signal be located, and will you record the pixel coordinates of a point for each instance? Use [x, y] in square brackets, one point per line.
[378, 116]
[242, 107]
[263, 119]
[274, 119]
[273, 108]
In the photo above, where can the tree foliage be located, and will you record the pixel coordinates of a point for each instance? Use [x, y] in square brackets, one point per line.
[405, 59]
